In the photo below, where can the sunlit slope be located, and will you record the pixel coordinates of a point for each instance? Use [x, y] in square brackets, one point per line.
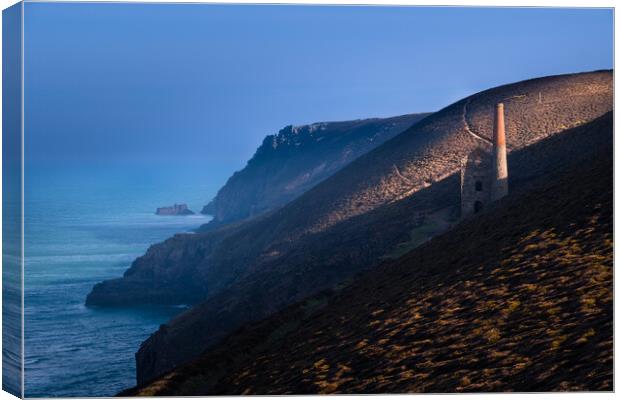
[516, 299]
[433, 148]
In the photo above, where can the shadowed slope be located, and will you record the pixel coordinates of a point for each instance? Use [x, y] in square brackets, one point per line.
[516, 299]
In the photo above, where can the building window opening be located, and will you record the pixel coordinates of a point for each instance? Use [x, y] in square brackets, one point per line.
[478, 186]
[477, 207]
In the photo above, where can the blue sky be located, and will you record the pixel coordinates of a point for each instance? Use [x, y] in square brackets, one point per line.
[203, 84]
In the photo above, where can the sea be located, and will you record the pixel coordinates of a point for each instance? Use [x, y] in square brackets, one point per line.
[84, 225]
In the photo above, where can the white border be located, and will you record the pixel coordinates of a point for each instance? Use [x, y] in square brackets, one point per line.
[436, 3]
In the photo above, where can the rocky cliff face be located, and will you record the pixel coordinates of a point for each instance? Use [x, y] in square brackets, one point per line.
[296, 159]
[380, 205]
[530, 309]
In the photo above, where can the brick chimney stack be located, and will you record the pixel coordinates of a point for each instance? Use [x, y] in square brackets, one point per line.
[499, 185]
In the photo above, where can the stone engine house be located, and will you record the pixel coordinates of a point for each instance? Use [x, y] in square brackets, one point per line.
[484, 172]
[475, 181]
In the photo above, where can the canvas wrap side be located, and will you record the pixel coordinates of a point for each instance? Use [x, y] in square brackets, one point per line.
[12, 204]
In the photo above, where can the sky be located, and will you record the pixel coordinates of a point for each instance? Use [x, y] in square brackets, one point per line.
[176, 84]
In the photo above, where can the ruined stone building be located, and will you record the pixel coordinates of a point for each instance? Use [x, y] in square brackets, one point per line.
[484, 172]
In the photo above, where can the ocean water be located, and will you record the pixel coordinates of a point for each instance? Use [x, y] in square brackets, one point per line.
[84, 225]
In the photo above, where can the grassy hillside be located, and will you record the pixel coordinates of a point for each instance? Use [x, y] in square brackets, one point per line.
[296, 159]
[381, 205]
[516, 299]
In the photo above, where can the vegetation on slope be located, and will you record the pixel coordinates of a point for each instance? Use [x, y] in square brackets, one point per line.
[516, 299]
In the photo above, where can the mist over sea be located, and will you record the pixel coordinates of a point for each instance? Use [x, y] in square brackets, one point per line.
[82, 226]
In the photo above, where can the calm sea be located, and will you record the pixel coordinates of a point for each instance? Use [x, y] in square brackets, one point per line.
[84, 225]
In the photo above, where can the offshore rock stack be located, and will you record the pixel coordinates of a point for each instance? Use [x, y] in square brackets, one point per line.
[176, 209]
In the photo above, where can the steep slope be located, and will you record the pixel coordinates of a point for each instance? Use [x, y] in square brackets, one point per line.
[522, 301]
[296, 159]
[380, 205]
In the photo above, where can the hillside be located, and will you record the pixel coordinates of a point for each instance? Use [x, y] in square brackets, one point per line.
[379, 206]
[297, 158]
[522, 301]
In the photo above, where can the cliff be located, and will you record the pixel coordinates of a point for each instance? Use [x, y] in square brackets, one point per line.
[381, 205]
[522, 301]
[297, 158]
